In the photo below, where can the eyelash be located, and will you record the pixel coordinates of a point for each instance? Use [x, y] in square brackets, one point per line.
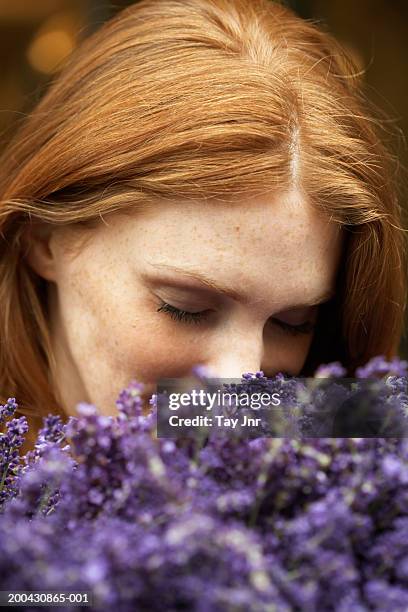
[199, 317]
[182, 315]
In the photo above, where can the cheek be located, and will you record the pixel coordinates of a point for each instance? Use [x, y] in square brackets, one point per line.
[149, 345]
[114, 327]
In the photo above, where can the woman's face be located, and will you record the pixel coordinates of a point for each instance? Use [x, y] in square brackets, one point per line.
[252, 273]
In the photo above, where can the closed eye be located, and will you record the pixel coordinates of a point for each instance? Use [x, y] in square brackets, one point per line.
[185, 316]
[302, 328]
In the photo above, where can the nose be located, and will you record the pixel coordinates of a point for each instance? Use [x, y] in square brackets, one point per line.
[236, 357]
[233, 368]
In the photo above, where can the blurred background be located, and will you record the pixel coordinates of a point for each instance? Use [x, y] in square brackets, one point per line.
[37, 35]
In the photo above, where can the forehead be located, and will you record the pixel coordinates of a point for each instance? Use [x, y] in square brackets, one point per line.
[277, 244]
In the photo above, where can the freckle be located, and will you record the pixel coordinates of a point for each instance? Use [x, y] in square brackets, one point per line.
[237, 228]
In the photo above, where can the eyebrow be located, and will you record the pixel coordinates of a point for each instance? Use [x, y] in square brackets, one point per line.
[208, 283]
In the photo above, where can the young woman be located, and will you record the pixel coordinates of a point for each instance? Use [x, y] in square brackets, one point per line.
[204, 182]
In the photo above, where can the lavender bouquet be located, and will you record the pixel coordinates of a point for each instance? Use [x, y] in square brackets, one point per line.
[226, 524]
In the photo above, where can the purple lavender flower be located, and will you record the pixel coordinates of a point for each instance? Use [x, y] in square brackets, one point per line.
[10, 443]
[331, 370]
[130, 401]
[379, 366]
[262, 524]
[8, 409]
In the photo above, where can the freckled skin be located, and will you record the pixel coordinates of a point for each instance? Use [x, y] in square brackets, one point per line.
[103, 315]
